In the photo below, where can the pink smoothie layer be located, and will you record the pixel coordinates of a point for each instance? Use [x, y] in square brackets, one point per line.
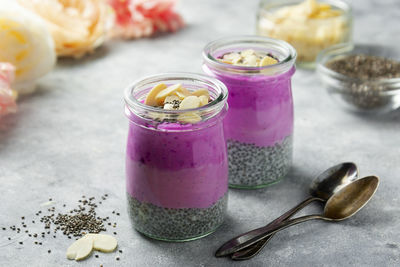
[260, 107]
[175, 169]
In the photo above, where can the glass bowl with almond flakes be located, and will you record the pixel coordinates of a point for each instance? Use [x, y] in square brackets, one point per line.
[308, 25]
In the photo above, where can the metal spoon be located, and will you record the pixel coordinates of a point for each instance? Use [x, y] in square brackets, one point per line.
[321, 189]
[342, 205]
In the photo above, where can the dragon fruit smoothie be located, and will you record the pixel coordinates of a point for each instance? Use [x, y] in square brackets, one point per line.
[259, 124]
[177, 172]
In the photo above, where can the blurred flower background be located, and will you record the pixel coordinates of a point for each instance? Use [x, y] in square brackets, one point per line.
[47, 29]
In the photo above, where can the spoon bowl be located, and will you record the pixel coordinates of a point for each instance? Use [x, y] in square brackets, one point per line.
[350, 199]
[333, 179]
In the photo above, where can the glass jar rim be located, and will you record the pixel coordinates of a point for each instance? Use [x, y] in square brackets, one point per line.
[285, 64]
[339, 4]
[133, 102]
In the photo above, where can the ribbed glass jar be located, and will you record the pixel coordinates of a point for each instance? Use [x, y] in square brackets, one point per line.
[259, 123]
[176, 173]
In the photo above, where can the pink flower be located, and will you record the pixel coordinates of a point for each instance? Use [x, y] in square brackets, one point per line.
[143, 18]
[7, 95]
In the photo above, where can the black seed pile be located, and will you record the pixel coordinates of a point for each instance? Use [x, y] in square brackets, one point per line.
[74, 223]
[251, 166]
[365, 67]
[365, 93]
[176, 224]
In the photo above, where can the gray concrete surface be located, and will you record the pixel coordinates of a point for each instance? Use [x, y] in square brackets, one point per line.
[68, 140]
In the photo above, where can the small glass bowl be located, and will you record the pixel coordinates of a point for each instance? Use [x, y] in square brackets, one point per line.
[308, 36]
[360, 95]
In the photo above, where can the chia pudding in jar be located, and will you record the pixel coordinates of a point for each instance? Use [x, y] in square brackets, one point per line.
[176, 157]
[259, 125]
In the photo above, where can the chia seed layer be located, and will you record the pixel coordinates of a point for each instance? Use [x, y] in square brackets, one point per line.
[251, 166]
[176, 224]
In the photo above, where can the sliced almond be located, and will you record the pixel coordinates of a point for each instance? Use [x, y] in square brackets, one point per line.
[151, 96]
[251, 60]
[202, 91]
[247, 53]
[203, 100]
[104, 243]
[231, 56]
[267, 60]
[80, 249]
[182, 93]
[171, 98]
[160, 97]
[190, 102]
[225, 61]
[189, 117]
[170, 102]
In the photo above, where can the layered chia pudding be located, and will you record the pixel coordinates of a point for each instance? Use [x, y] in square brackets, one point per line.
[259, 125]
[176, 157]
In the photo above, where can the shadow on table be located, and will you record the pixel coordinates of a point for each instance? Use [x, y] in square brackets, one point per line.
[381, 119]
[100, 52]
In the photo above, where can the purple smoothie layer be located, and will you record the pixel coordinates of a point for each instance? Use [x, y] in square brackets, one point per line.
[260, 107]
[177, 169]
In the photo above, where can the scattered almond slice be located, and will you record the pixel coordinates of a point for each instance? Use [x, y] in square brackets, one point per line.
[160, 97]
[203, 100]
[202, 91]
[104, 243]
[189, 117]
[151, 96]
[190, 102]
[80, 249]
[267, 60]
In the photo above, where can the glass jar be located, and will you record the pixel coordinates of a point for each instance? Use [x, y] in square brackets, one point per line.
[176, 173]
[259, 124]
[307, 27]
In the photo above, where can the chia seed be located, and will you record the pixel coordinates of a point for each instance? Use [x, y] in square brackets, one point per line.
[175, 224]
[252, 166]
[364, 90]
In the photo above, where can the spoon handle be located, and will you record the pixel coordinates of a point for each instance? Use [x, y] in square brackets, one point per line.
[234, 242]
[275, 229]
[253, 250]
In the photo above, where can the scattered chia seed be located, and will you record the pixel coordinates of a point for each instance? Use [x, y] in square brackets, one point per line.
[117, 258]
[75, 223]
[49, 251]
[96, 256]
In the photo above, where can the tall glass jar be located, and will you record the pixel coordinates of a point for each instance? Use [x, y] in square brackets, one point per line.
[308, 25]
[176, 172]
[259, 124]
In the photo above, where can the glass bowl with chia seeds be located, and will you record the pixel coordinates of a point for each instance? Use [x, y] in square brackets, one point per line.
[365, 78]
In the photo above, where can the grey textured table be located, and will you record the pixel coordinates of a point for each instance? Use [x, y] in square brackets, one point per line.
[68, 140]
